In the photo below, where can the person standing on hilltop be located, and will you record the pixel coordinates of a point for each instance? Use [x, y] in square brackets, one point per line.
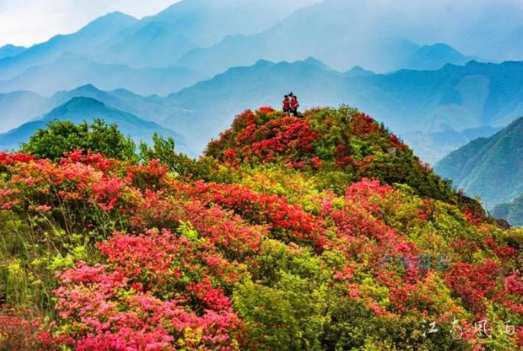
[287, 105]
[294, 105]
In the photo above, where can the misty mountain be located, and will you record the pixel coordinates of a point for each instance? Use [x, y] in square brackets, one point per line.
[207, 22]
[11, 50]
[155, 41]
[86, 109]
[71, 72]
[154, 45]
[161, 40]
[434, 111]
[433, 57]
[454, 99]
[384, 55]
[511, 212]
[88, 40]
[19, 107]
[376, 35]
[489, 167]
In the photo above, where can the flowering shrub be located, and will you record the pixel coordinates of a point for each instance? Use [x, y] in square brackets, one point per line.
[325, 233]
[102, 310]
[24, 333]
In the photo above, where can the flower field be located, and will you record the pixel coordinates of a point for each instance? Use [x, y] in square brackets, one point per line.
[322, 232]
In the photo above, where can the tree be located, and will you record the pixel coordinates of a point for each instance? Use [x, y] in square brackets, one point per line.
[60, 137]
[164, 151]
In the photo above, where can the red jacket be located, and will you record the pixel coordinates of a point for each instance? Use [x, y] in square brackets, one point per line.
[294, 103]
[286, 104]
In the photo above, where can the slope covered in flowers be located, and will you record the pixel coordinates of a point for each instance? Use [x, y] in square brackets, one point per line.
[316, 233]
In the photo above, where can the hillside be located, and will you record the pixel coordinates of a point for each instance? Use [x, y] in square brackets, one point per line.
[319, 232]
[511, 212]
[489, 167]
[87, 109]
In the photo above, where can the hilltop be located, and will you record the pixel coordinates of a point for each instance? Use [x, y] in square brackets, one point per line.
[318, 232]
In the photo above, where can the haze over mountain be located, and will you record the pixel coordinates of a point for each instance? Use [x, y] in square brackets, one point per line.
[489, 167]
[435, 111]
[472, 100]
[49, 78]
[377, 35]
[162, 39]
[86, 41]
[18, 107]
[81, 109]
[437, 105]
[11, 50]
[511, 212]
[156, 41]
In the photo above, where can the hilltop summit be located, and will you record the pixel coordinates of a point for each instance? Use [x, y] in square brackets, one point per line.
[340, 140]
[318, 232]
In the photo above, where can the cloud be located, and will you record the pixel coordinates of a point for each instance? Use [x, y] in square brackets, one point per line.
[31, 21]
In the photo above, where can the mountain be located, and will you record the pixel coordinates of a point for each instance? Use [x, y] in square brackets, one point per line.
[155, 41]
[154, 45]
[11, 50]
[373, 34]
[50, 78]
[383, 55]
[491, 168]
[207, 22]
[88, 40]
[435, 111]
[318, 232]
[435, 57]
[18, 107]
[433, 146]
[87, 109]
[511, 212]
[451, 99]
[161, 40]
[212, 36]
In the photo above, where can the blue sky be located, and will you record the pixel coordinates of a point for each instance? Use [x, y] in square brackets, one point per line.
[25, 22]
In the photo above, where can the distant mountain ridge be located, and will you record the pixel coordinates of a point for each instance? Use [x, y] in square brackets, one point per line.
[434, 111]
[511, 212]
[87, 40]
[213, 36]
[489, 167]
[155, 41]
[11, 50]
[342, 34]
[49, 78]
